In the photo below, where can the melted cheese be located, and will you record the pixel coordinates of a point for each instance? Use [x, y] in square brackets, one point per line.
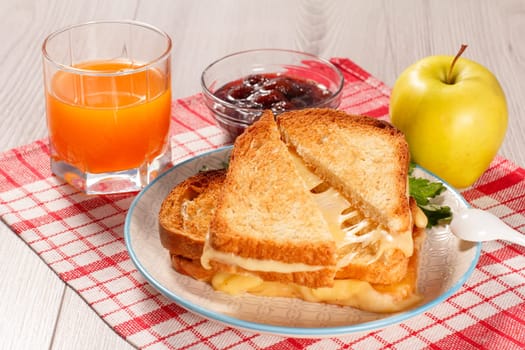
[346, 292]
[337, 211]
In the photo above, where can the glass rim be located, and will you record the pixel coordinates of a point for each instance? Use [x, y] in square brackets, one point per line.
[81, 71]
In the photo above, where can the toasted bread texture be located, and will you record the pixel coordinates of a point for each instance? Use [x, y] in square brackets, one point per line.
[365, 159]
[191, 268]
[266, 213]
[186, 212]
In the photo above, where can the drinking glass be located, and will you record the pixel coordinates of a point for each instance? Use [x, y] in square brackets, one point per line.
[108, 100]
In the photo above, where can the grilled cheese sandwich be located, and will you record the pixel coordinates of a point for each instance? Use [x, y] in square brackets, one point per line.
[338, 213]
[281, 227]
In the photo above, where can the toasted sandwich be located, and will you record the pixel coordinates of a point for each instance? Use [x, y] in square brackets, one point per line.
[281, 222]
[361, 164]
[366, 159]
[266, 222]
[184, 220]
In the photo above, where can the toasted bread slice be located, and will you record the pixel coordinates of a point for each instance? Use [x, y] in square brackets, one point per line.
[185, 214]
[266, 219]
[363, 158]
[191, 267]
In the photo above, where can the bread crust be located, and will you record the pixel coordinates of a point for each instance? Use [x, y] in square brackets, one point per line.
[407, 286]
[353, 153]
[186, 212]
[311, 279]
[194, 269]
[191, 268]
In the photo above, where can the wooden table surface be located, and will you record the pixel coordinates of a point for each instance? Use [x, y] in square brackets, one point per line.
[37, 310]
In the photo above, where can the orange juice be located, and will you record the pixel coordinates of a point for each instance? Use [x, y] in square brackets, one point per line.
[108, 123]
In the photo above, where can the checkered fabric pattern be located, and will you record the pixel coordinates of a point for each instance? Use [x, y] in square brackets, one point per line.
[81, 238]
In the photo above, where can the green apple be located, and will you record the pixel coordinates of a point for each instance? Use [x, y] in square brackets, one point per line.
[453, 113]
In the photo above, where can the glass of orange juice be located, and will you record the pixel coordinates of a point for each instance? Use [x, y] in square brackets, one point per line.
[108, 100]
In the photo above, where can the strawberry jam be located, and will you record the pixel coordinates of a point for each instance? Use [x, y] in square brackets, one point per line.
[273, 91]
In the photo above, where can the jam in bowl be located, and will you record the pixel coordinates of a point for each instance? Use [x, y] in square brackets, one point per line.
[273, 91]
[238, 87]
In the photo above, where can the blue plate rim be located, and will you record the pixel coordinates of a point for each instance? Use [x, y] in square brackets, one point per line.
[310, 332]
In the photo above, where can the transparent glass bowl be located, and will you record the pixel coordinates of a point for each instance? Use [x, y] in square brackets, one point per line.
[233, 118]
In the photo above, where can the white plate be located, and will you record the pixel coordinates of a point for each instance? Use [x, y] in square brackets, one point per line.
[446, 263]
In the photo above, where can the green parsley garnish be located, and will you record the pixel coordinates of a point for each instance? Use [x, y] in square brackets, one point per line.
[423, 191]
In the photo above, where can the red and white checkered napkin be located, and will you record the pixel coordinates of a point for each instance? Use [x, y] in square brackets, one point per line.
[81, 239]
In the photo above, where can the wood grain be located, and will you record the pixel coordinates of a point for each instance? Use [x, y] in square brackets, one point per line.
[31, 296]
[383, 36]
[76, 331]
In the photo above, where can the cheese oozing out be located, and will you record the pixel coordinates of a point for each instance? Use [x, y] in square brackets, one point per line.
[264, 265]
[347, 226]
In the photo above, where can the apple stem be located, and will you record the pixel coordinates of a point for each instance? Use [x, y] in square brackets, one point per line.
[460, 52]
